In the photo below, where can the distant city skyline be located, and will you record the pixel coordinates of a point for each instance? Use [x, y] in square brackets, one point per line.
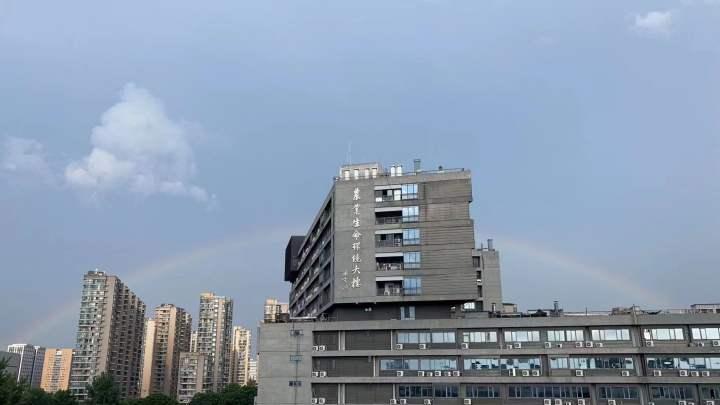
[591, 133]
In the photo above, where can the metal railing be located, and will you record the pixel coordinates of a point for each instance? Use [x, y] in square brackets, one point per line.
[390, 266]
[404, 174]
[396, 220]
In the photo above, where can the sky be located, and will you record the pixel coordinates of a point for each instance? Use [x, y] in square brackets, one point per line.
[179, 144]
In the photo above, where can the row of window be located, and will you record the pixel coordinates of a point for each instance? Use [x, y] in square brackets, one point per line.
[515, 336]
[684, 363]
[402, 192]
[592, 363]
[445, 364]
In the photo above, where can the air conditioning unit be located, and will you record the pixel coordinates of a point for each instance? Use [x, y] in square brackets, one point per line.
[683, 373]
[611, 402]
[716, 343]
[509, 347]
[709, 402]
[421, 373]
[657, 373]
[525, 373]
[402, 401]
[316, 348]
[650, 343]
[682, 402]
[694, 374]
[517, 345]
[400, 373]
[578, 344]
[625, 373]
[323, 374]
[393, 401]
[316, 374]
[589, 344]
[464, 346]
[548, 345]
[579, 373]
[536, 373]
[512, 372]
[448, 374]
[568, 403]
[456, 373]
[322, 348]
[467, 401]
[398, 346]
[706, 374]
[321, 401]
[547, 401]
[580, 401]
[422, 346]
[438, 373]
[700, 344]
[559, 345]
[558, 402]
[314, 401]
[599, 344]
[651, 403]
[427, 401]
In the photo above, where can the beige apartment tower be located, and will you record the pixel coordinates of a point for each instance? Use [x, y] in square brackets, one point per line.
[166, 336]
[240, 361]
[56, 370]
[214, 339]
[109, 337]
[275, 311]
[191, 376]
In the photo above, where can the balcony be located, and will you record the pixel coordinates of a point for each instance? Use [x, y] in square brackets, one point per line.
[397, 242]
[390, 266]
[398, 291]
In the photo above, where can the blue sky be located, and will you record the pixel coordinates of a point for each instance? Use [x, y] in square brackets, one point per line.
[179, 144]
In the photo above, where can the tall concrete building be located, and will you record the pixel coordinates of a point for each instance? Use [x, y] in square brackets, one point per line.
[392, 303]
[275, 311]
[214, 339]
[240, 360]
[12, 361]
[109, 337]
[191, 376]
[31, 363]
[56, 370]
[193, 341]
[166, 336]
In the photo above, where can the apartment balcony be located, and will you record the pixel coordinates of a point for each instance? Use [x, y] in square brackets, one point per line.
[398, 291]
[390, 266]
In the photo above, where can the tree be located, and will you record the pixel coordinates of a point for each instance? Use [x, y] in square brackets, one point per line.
[237, 395]
[103, 391]
[206, 398]
[36, 396]
[157, 399]
[63, 398]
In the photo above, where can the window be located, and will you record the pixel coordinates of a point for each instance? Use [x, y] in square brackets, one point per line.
[409, 191]
[521, 363]
[522, 336]
[438, 364]
[673, 392]
[445, 391]
[559, 362]
[294, 383]
[415, 391]
[481, 363]
[413, 337]
[479, 337]
[565, 335]
[407, 313]
[443, 337]
[411, 260]
[481, 391]
[611, 334]
[618, 392]
[411, 236]
[684, 363]
[548, 391]
[411, 214]
[710, 392]
[663, 334]
[412, 286]
[706, 333]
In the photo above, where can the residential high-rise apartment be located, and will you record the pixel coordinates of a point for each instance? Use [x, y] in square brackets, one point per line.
[391, 303]
[31, 363]
[214, 339]
[275, 311]
[253, 370]
[191, 376]
[166, 336]
[193, 341]
[110, 335]
[56, 370]
[240, 361]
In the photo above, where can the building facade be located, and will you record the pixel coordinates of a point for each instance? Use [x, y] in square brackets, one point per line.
[392, 303]
[110, 336]
[31, 363]
[214, 339]
[56, 370]
[12, 361]
[191, 376]
[240, 360]
[253, 370]
[166, 336]
[275, 311]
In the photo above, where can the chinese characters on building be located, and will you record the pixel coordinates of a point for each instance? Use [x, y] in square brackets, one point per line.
[353, 278]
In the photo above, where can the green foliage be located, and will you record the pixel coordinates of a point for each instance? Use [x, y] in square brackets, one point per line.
[14, 393]
[232, 395]
[103, 391]
[156, 399]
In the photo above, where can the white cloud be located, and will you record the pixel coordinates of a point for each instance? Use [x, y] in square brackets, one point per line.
[24, 156]
[137, 148]
[654, 22]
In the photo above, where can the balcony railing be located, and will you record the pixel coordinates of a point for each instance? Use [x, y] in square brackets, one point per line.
[390, 266]
[396, 220]
[397, 291]
[389, 243]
